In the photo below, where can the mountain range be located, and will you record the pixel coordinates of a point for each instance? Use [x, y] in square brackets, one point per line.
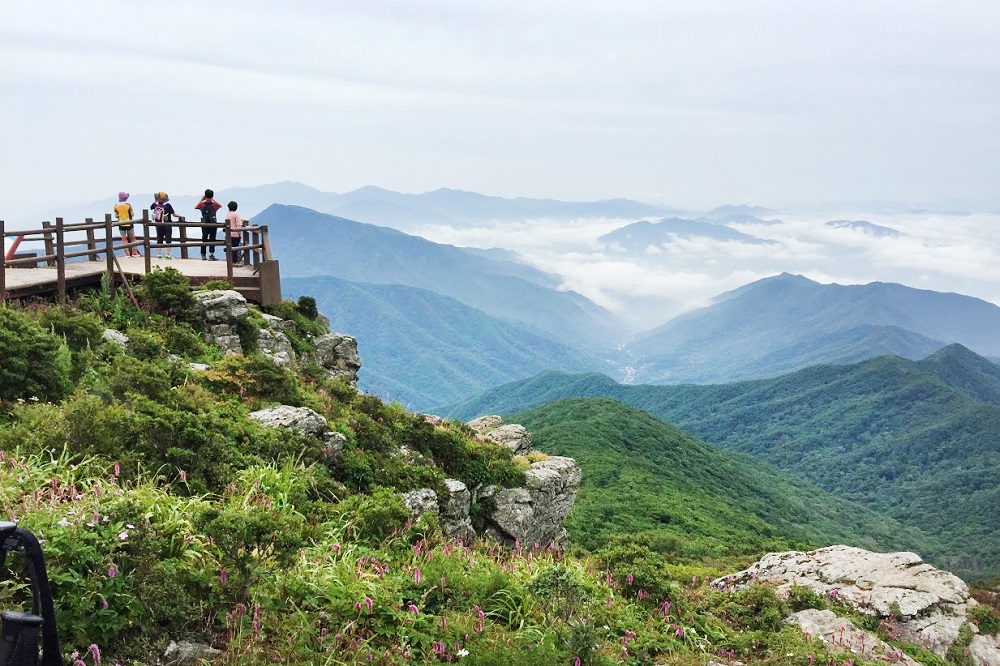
[327, 245]
[787, 322]
[913, 439]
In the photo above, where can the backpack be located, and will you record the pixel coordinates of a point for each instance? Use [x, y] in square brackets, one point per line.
[208, 211]
[20, 636]
[159, 212]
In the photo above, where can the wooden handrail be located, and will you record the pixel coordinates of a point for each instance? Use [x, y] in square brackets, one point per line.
[58, 249]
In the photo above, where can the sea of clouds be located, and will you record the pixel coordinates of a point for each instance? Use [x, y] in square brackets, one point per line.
[939, 252]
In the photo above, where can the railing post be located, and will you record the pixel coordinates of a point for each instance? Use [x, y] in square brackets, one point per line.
[265, 249]
[184, 237]
[3, 266]
[49, 247]
[91, 240]
[60, 260]
[229, 253]
[109, 251]
[145, 241]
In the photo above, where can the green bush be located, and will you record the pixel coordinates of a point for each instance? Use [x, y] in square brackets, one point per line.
[254, 378]
[375, 517]
[36, 364]
[168, 292]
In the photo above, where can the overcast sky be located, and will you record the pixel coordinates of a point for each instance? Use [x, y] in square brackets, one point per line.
[695, 104]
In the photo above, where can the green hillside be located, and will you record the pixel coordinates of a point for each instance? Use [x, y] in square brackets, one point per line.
[915, 440]
[642, 475]
[396, 325]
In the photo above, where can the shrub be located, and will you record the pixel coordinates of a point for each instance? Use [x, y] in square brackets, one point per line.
[216, 285]
[36, 364]
[375, 517]
[307, 307]
[254, 377]
[168, 292]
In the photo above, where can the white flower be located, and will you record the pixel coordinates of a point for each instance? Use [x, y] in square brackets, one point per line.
[463, 653]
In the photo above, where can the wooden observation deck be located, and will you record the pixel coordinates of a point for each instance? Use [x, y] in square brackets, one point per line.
[79, 255]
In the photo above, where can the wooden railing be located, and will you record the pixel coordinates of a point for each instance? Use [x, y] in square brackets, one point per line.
[87, 241]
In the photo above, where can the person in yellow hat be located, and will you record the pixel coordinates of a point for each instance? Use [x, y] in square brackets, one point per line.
[124, 215]
[163, 217]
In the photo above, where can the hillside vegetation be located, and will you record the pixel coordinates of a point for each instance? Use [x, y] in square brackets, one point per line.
[915, 440]
[642, 475]
[167, 513]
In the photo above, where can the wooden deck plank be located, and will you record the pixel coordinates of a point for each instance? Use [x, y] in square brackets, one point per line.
[32, 279]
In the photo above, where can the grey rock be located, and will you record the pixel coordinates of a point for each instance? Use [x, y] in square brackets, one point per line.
[513, 436]
[225, 336]
[533, 515]
[274, 343]
[115, 337]
[842, 636]
[421, 501]
[454, 508]
[931, 605]
[338, 355]
[484, 424]
[222, 306]
[187, 653]
[198, 367]
[300, 419]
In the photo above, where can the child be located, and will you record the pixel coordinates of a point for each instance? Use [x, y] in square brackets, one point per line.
[124, 215]
[208, 206]
[162, 217]
[235, 231]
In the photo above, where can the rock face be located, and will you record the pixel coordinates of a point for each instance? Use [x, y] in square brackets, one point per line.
[338, 354]
[273, 342]
[513, 435]
[929, 605]
[222, 310]
[534, 515]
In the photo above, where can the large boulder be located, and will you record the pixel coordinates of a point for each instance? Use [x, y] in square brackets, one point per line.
[302, 420]
[514, 436]
[533, 515]
[338, 355]
[222, 310]
[455, 506]
[929, 605]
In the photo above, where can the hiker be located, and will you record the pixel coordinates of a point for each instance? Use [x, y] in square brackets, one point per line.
[208, 205]
[124, 215]
[163, 213]
[235, 231]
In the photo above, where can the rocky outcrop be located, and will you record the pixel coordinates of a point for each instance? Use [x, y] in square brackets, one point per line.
[534, 514]
[187, 653]
[338, 355]
[222, 310]
[929, 606]
[305, 422]
[272, 341]
[514, 436]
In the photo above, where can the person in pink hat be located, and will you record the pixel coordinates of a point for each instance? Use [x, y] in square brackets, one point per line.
[124, 215]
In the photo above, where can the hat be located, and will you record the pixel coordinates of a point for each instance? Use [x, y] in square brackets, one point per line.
[123, 196]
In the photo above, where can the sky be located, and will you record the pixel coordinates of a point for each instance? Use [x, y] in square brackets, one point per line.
[695, 104]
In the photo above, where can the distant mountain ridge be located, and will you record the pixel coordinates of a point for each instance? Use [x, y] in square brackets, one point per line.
[639, 236]
[913, 439]
[327, 245]
[786, 322]
[422, 349]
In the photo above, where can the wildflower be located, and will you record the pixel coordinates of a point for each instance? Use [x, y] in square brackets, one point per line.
[369, 603]
[223, 576]
[112, 572]
[95, 653]
[64, 522]
[444, 624]
[416, 576]
[184, 476]
[123, 535]
[463, 653]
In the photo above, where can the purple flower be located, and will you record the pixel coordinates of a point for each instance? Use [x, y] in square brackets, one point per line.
[112, 572]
